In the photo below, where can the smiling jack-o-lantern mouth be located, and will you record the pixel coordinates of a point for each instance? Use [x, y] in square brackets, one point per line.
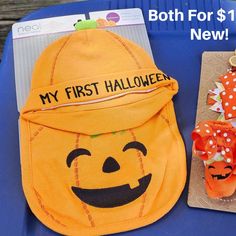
[113, 196]
[220, 177]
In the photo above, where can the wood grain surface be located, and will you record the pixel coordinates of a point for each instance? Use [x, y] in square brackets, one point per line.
[13, 10]
[214, 64]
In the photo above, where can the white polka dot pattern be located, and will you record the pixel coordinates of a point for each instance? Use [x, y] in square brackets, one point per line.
[228, 96]
[211, 137]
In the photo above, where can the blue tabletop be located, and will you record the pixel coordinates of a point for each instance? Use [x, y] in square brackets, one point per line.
[174, 53]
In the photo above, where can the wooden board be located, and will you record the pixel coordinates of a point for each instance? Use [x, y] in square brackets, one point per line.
[214, 64]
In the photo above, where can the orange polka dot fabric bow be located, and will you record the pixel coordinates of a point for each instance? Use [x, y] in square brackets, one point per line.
[212, 137]
[228, 96]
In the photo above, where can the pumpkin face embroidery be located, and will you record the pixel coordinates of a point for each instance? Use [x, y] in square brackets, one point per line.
[220, 179]
[128, 176]
[111, 196]
[220, 170]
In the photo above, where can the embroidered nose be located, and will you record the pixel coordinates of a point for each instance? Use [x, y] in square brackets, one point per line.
[110, 165]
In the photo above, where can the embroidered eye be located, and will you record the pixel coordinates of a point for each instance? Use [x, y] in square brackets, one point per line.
[76, 153]
[136, 145]
[211, 167]
[229, 167]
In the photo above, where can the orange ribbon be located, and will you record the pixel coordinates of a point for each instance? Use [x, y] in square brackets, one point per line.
[228, 96]
[211, 137]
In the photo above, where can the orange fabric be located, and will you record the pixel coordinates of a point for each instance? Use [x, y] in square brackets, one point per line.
[211, 137]
[98, 162]
[220, 180]
[214, 142]
[86, 90]
[229, 95]
[210, 101]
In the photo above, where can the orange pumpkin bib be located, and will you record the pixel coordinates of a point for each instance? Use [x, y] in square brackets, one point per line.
[100, 148]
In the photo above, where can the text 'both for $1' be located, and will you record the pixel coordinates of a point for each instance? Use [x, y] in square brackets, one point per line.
[194, 15]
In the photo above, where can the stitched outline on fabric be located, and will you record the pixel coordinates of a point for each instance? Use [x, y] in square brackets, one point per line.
[56, 58]
[38, 197]
[143, 173]
[35, 134]
[167, 120]
[76, 172]
[45, 210]
[125, 47]
[108, 107]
